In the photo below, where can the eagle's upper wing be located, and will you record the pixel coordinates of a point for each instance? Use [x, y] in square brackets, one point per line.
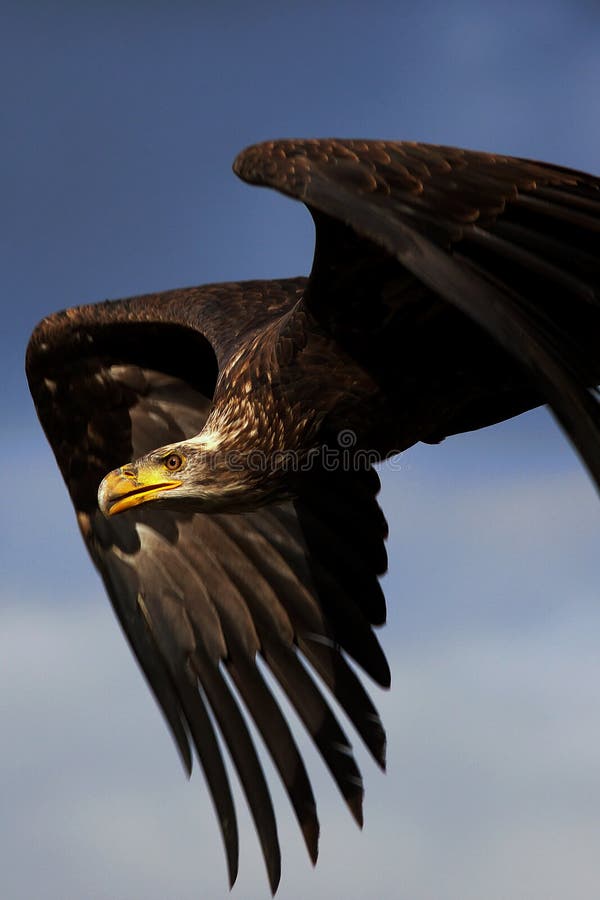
[488, 246]
[202, 598]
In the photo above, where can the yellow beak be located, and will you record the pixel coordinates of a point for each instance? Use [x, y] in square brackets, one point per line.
[130, 486]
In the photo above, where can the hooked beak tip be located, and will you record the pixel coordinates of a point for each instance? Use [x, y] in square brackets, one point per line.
[112, 487]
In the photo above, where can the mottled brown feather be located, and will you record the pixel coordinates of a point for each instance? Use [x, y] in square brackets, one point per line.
[450, 289]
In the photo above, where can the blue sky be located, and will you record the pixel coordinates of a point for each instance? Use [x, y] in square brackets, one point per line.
[120, 122]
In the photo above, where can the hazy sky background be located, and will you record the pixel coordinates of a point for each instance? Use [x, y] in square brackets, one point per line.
[119, 125]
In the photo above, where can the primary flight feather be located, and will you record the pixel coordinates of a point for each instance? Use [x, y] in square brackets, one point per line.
[218, 442]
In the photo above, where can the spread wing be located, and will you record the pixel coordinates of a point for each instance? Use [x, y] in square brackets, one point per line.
[467, 282]
[207, 602]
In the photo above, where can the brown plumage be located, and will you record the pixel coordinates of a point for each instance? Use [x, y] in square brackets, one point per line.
[449, 290]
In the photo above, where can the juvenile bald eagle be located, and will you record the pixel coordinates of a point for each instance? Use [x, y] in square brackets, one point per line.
[449, 290]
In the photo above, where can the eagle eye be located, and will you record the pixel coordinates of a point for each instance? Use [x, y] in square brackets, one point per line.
[173, 461]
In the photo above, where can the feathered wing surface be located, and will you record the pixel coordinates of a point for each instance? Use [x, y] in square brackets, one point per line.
[465, 285]
[203, 598]
[474, 277]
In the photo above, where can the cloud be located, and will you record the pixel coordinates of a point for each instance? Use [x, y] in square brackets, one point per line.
[508, 542]
[492, 789]
[493, 781]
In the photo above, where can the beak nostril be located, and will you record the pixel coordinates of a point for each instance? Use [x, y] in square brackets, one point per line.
[128, 473]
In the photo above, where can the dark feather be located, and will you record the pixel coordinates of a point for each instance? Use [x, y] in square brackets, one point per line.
[196, 593]
[449, 290]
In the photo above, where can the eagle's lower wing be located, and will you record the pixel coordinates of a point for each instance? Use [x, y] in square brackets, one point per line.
[204, 598]
[488, 246]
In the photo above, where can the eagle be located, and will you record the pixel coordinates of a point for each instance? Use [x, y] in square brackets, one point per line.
[219, 443]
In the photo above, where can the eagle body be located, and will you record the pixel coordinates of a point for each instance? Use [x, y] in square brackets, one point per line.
[218, 442]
